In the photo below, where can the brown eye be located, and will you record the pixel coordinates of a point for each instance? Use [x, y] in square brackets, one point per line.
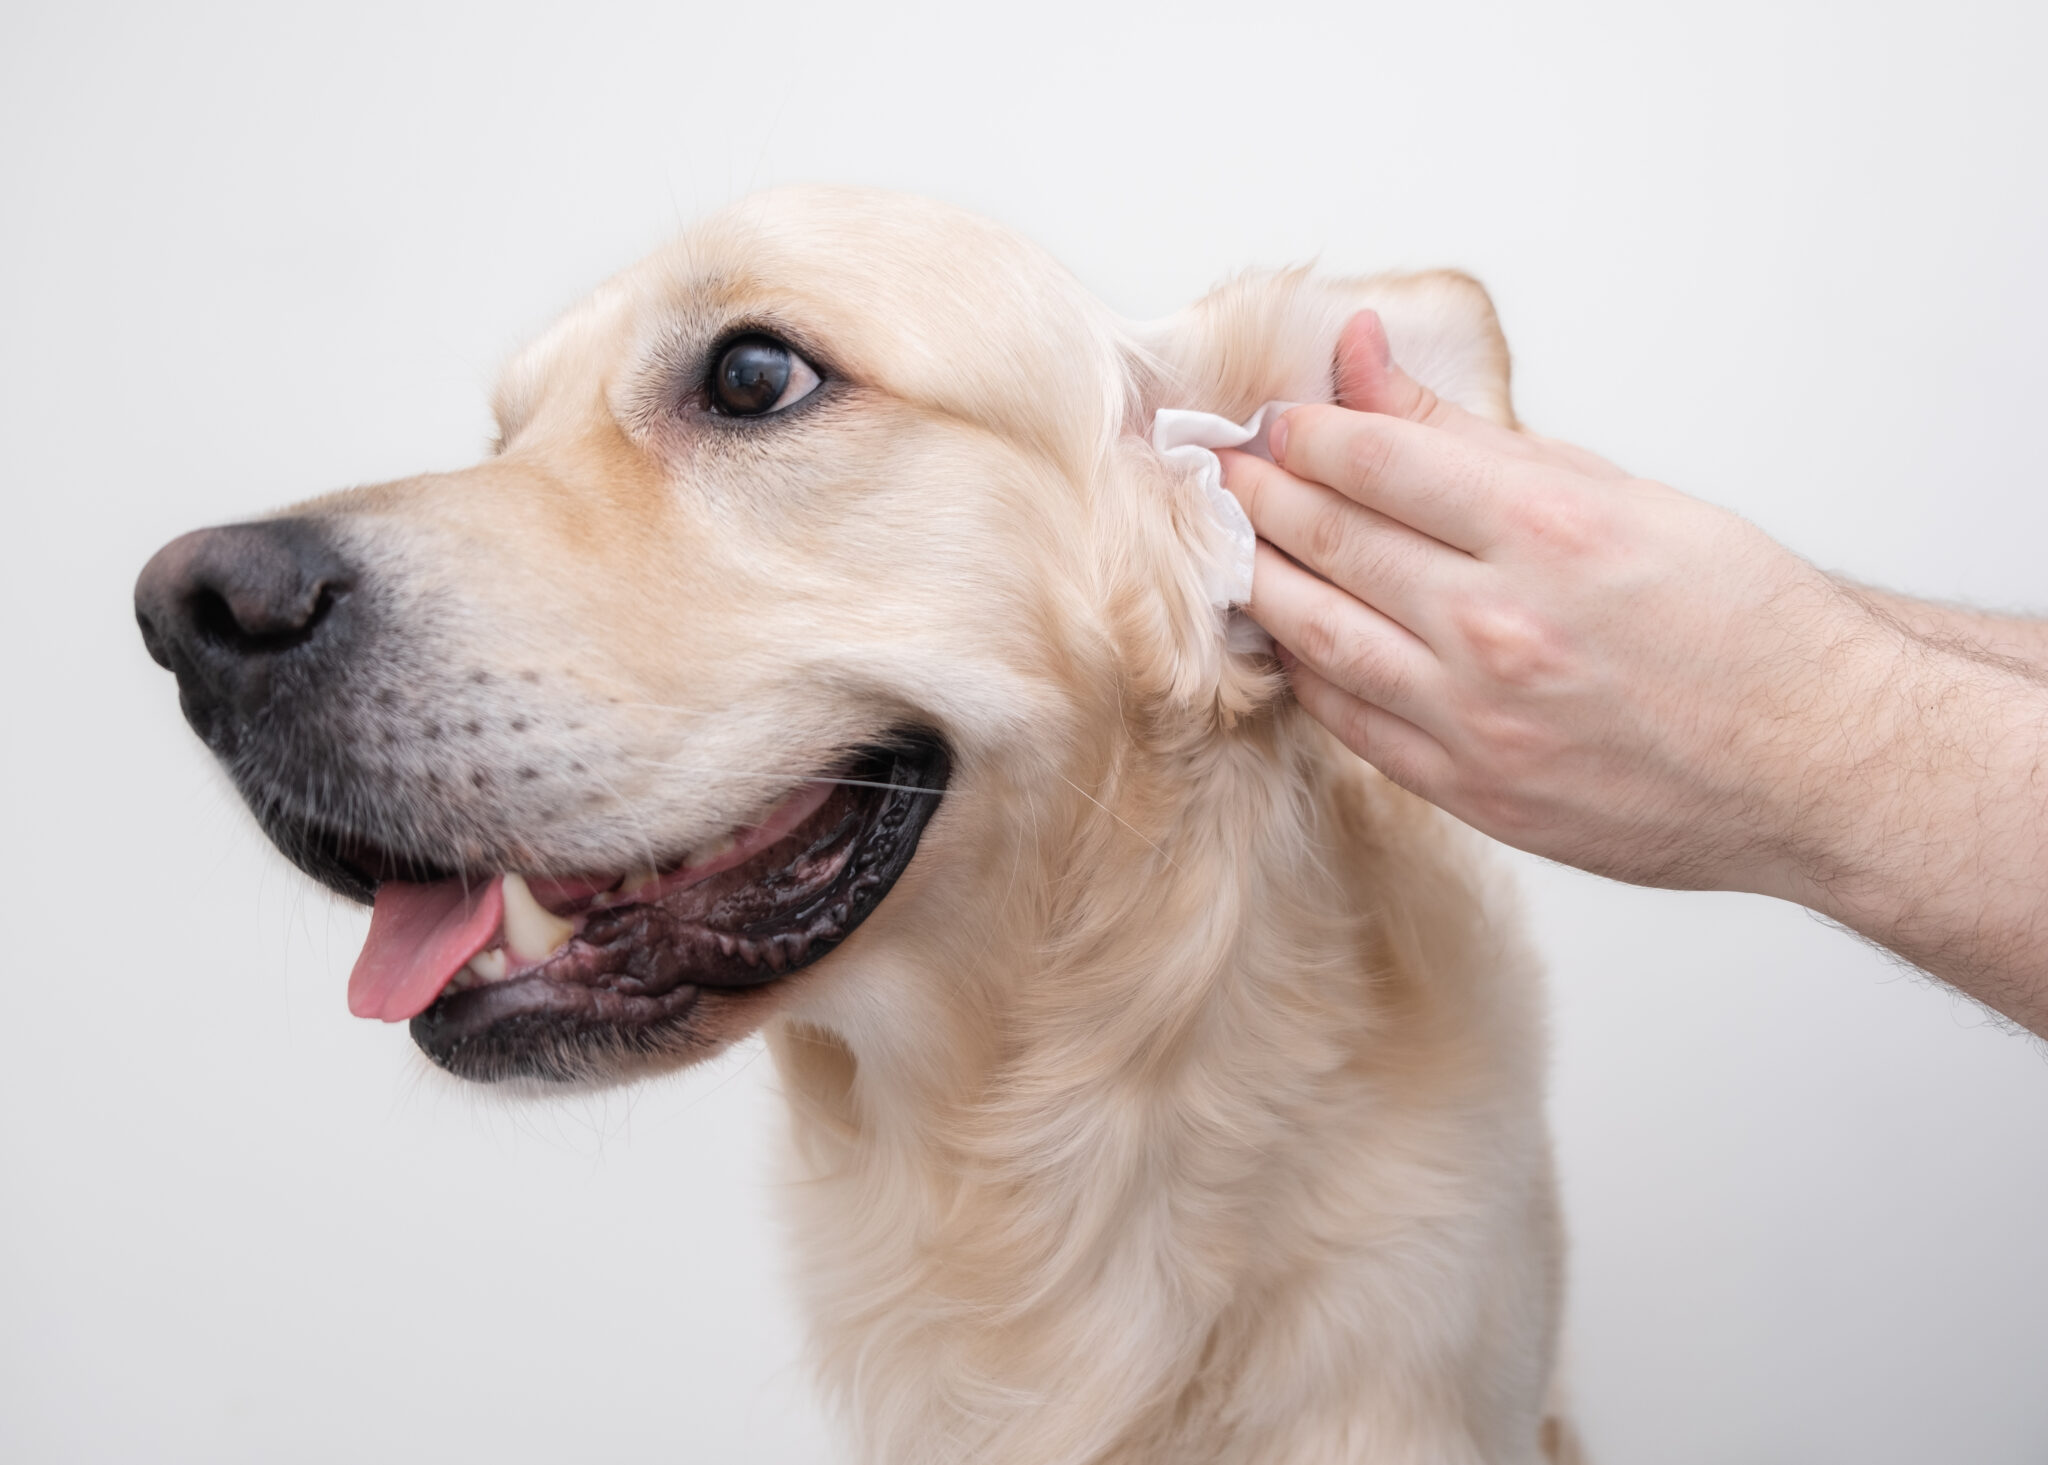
[756, 375]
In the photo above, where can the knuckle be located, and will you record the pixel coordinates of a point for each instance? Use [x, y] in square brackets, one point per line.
[1349, 656]
[1320, 636]
[1514, 743]
[1381, 560]
[1558, 519]
[1367, 666]
[1432, 410]
[1497, 810]
[1359, 728]
[1372, 672]
[1510, 644]
[1355, 730]
[1405, 769]
[1249, 482]
[1330, 531]
[1368, 452]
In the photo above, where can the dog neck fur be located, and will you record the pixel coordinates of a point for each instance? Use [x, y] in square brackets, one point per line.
[1197, 1186]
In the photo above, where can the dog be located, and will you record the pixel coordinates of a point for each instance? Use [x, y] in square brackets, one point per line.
[822, 650]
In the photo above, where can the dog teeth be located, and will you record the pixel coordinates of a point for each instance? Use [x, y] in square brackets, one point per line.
[532, 932]
[644, 886]
[482, 969]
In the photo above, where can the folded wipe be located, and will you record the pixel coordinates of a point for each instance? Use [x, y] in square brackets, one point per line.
[1188, 440]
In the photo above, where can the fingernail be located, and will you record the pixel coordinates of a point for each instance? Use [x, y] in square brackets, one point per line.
[1276, 438]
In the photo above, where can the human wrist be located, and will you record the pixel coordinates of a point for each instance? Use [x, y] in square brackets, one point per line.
[1932, 836]
[1832, 777]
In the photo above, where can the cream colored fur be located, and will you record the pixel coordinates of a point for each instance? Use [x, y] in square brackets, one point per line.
[1183, 1103]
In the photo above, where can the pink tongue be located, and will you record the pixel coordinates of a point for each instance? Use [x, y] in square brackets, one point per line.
[420, 936]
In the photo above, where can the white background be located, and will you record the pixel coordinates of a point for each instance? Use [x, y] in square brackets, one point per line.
[1787, 257]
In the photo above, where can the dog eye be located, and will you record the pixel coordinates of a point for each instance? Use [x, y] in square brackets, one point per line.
[756, 375]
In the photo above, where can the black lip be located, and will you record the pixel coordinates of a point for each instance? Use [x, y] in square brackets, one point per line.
[345, 863]
[629, 989]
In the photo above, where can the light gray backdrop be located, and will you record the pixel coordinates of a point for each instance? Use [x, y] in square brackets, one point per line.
[1788, 257]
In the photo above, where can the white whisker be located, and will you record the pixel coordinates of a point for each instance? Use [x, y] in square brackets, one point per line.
[1119, 819]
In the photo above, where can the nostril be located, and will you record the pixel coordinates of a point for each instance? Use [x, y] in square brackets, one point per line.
[212, 618]
[249, 624]
[216, 604]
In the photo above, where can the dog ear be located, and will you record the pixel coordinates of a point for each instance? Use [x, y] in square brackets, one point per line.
[1263, 338]
[1270, 337]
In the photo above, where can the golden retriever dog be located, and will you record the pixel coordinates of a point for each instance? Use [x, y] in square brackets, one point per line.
[823, 651]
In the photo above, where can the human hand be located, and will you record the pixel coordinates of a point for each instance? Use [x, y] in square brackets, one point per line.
[1589, 666]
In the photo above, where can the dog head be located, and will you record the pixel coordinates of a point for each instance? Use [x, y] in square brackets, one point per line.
[819, 568]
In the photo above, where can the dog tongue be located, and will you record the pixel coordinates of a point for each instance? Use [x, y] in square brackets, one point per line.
[420, 936]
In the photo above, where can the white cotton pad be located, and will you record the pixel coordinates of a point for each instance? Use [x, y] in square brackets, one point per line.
[1189, 440]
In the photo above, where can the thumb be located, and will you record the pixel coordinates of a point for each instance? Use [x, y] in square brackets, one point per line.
[1369, 381]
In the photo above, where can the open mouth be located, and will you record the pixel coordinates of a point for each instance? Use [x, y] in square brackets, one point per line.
[503, 974]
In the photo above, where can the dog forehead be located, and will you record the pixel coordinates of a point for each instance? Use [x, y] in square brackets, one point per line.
[926, 302]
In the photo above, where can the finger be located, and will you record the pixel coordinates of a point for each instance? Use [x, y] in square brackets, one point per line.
[1398, 748]
[1386, 564]
[1448, 487]
[1343, 639]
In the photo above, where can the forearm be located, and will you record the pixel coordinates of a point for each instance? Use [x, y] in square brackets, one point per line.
[1604, 671]
[2019, 638]
[1927, 829]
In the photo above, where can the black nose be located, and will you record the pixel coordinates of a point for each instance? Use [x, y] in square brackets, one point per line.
[229, 609]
